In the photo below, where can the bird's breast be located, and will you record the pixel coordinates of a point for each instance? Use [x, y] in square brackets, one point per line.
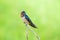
[25, 20]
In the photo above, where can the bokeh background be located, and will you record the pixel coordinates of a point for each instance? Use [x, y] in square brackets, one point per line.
[44, 13]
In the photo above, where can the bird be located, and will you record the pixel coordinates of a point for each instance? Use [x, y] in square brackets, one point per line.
[27, 20]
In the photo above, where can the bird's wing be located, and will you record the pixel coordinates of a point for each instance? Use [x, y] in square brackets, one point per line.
[30, 22]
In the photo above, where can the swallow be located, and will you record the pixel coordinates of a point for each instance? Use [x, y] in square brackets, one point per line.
[26, 19]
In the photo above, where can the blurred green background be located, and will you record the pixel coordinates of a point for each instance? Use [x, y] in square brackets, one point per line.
[44, 13]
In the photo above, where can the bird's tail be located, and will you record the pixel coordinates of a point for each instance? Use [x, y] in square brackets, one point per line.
[31, 24]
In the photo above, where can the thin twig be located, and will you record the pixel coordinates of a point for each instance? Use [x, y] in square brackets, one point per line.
[33, 32]
[26, 33]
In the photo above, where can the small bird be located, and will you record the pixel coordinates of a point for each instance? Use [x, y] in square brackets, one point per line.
[26, 19]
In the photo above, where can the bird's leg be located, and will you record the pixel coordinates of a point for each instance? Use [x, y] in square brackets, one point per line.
[26, 32]
[34, 33]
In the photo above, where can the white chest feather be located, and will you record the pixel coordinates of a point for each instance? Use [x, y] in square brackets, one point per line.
[24, 20]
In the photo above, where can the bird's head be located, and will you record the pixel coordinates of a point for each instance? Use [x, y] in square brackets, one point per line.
[23, 13]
